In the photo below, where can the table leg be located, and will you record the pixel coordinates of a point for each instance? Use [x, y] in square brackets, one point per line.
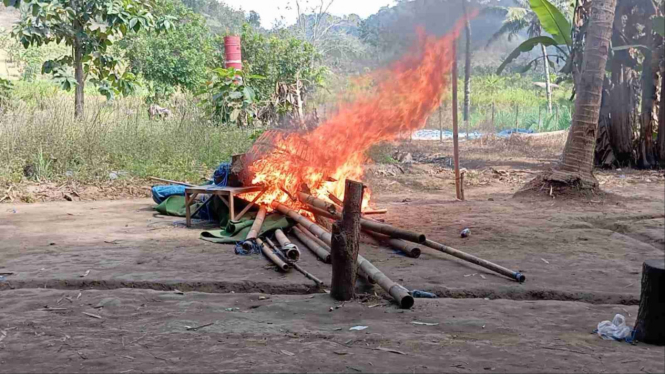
[232, 207]
[188, 211]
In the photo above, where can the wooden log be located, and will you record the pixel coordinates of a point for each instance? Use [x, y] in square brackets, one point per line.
[346, 243]
[476, 260]
[650, 324]
[319, 251]
[289, 249]
[268, 252]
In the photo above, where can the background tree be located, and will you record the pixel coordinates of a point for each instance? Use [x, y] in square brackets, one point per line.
[89, 27]
[175, 60]
[520, 18]
[576, 167]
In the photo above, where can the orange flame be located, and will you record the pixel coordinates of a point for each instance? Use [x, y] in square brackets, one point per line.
[405, 94]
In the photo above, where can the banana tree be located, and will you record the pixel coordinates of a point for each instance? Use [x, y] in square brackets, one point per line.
[534, 17]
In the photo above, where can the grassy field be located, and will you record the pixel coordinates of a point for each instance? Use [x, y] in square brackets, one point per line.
[40, 140]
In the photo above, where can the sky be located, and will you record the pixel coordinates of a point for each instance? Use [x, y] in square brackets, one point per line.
[269, 10]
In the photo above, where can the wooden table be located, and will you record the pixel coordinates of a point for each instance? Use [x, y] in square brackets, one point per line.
[223, 192]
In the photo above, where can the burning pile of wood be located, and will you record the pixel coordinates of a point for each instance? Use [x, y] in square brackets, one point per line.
[321, 242]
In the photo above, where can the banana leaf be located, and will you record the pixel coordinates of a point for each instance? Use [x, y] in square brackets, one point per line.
[552, 21]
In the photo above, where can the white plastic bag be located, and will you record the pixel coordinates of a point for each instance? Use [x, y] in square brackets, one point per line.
[615, 330]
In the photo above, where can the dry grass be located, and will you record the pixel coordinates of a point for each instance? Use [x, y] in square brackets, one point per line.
[41, 141]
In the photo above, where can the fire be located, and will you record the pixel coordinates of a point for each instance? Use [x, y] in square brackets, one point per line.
[402, 98]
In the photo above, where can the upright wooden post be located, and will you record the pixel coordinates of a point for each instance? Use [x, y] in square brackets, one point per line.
[458, 188]
[650, 324]
[517, 116]
[540, 117]
[441, 122]
[345, 244]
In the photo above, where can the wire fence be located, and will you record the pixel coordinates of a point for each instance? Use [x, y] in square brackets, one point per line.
[493, 118]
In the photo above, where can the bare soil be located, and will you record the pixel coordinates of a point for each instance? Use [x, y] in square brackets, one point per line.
[119, 261]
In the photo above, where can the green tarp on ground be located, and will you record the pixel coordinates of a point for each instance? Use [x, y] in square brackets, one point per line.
[237, 231]
[233, 231]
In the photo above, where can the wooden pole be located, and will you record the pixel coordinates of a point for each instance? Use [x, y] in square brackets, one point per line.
[540, 117]
[346, 243]
[455, 135]
[255, 229]
[517, 116]
[441, 123]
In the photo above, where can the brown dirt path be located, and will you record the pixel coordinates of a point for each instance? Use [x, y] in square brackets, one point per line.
[146, 331]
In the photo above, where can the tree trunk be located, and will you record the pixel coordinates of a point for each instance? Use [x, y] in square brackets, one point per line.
[467, 71]
[345, 244]
[661, 116]
[650, 323]
[548, 88]
[621, 123]
[646, 151]
[80, 80]
[576, 167]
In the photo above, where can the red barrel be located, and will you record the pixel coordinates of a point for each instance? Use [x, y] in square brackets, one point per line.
[232, 55]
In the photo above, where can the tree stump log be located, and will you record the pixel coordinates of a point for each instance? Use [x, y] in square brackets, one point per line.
[650, 324]
[345, 244]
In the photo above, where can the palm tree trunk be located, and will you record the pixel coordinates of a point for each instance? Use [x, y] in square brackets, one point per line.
[548, 88]
[467, 71]
[661, 117]
[576, 167]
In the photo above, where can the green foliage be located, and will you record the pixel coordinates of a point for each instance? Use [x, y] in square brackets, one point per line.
[230, 97]
[659, 25]
[6, 88]
[175, 60]
[526, 47]
[90, 26]
[552, 21]
[283, 59]
[535, 16]
[220, 17]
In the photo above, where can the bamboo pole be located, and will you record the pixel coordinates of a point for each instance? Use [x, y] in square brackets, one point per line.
[313, 246]
[256, 228]
[326, 249]
[455, 129]
[399, 293]
[171, 182]
[307, 274]
[289, 249]
[476, 260]
[377, 227]
[307, 224]
[272, 256]
[401, 245]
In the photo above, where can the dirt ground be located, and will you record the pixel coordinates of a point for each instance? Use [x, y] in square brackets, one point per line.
[121, 264]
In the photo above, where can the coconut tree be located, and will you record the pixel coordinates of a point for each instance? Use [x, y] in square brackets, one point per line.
[520, 18]
[576, 167]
